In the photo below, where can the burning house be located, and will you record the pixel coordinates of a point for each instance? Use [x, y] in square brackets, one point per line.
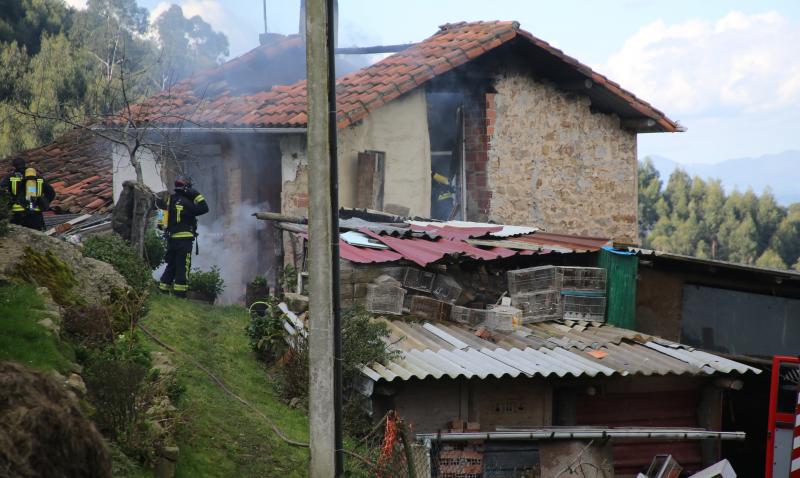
[522, 133]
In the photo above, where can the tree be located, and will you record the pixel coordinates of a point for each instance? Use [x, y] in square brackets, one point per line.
[771, 259]
[186, 45]
[649, 192]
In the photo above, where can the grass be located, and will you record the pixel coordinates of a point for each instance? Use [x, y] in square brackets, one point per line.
[220, 436]
[22, 339]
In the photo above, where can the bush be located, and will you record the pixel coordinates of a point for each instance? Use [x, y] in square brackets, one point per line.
[89, 326]
[208, 283]
[362, 343]
[154, 248]
[114, 250]
[266, 331]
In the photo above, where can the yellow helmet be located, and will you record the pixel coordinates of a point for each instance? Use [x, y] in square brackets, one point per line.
[30, 172]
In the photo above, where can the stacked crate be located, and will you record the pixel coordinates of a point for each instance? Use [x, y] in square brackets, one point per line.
[552, 292]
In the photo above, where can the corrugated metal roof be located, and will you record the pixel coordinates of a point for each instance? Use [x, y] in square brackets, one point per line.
[548, 349]
[494, 230]
[787, 273]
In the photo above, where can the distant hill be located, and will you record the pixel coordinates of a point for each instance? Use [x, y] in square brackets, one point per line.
[779, 171]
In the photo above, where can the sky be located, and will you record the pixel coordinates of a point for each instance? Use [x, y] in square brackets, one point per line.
[727, 70]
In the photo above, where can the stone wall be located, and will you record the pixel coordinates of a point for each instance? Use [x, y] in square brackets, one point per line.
[554, 164]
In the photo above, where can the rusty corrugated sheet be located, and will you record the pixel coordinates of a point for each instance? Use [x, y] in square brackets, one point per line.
[556, 349]
[644, 409]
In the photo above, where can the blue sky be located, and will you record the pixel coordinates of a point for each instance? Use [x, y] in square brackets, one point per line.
[728, 70]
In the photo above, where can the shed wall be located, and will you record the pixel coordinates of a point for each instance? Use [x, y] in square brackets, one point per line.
[555, 164]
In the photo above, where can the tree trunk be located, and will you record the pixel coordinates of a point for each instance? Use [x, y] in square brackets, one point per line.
[129, 218]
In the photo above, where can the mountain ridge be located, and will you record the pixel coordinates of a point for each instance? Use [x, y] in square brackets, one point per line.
[778, 171]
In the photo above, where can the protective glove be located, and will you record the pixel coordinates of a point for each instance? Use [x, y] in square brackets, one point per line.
[190, 193]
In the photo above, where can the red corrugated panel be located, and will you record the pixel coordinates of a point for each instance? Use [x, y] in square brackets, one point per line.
[365, 255]
[576, 243]
[644, 409]
[423, 251]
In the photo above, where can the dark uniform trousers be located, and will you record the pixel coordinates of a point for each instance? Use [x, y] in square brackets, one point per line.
[32, 220]
[179, 263]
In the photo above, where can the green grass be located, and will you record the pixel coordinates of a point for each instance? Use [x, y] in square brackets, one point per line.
[22, 339]
[220, 436]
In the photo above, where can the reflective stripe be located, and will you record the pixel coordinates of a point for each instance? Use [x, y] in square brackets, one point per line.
[199, 198]
[444, 196]
[17, 208]
[164, 286]
[14, 182]
[182, 235]
[178, 209]
[181, 287]
[39, 186]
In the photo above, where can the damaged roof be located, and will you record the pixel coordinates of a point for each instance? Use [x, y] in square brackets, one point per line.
[426, 242]
[363, 91]
[80, 173]
[547, 349]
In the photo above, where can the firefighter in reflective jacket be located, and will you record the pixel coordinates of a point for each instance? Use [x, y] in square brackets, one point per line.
[29, 195]
[180, 227]
[443, 196]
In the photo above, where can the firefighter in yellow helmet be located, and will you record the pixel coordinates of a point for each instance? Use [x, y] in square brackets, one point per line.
[443, 196]
[180, 228]
[29, 195]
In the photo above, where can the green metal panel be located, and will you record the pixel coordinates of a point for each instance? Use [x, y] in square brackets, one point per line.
[621, 269]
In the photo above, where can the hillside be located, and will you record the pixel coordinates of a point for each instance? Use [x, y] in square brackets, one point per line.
[220, 437]
[777, 171]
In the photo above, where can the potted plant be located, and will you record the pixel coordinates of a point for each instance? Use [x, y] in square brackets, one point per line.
[205, 285]
[256, 290]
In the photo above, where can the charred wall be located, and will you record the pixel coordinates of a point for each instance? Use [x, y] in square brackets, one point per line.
[555, 164]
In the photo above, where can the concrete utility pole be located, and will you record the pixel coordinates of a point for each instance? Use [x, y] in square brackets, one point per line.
[324, 341]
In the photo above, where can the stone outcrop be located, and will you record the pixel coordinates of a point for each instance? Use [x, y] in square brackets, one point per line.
[94, 279]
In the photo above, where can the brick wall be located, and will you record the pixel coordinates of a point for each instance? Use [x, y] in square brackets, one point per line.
[479, 117]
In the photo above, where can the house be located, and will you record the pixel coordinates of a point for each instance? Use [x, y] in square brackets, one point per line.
[524, 133]
[515, 396]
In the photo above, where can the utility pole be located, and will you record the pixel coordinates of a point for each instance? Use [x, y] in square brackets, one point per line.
[324, 408]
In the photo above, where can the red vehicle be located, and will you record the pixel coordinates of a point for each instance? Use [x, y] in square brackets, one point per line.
[783, 449]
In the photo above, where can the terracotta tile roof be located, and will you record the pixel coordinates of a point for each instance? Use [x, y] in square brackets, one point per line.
[78, 171]
[365, 90]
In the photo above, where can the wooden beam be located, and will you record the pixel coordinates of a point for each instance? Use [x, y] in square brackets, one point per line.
[274, 216]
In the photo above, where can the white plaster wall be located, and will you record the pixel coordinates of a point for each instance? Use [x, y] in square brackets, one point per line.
[123, 171]
[400, 129]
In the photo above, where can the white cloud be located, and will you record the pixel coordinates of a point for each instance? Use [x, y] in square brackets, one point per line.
[79, 4]
[740, 63]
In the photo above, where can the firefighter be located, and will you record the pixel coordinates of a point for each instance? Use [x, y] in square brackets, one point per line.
[180, 228]
[29, 195]
[443, 196]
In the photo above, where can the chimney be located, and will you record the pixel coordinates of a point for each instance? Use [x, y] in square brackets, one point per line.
[302, 23]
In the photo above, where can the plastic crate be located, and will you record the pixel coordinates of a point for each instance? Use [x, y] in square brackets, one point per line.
[446, 288]
[581, 306]
[504, 318]
[581, 278]
[418, 279]
[429, 308]
[538, 306]
[385, 299]
[471, 317]
[532, 279]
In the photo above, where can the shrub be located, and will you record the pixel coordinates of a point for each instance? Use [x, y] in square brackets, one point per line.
[114, 250]
[266, 331]
[362, 343]
[154, 248]
[208, 283]
[289, 278]
[259, 281]
[89, 326]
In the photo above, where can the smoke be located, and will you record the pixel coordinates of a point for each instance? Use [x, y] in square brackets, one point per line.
[232, 244]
